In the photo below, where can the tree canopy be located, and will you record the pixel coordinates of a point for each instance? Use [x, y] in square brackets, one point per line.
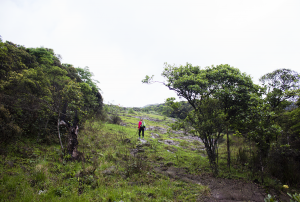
[222, 98]
[36, 90]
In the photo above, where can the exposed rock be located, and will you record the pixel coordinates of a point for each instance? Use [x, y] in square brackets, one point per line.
[157, 128]
[77, 155]
[133, 152]
[177, 131]
[172, 119]
[154, 135]
[123, 124]
[142, 141]
[189, 138]
[42, 192]
[171, 142]
[109, 171]
[146, 144]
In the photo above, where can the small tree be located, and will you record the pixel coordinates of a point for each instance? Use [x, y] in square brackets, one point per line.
[131, 111]
[208, 121]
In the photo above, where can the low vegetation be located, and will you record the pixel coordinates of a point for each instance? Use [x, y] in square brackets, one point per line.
[108, 170]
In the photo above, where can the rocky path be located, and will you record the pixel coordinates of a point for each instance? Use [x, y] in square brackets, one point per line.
[221, 189]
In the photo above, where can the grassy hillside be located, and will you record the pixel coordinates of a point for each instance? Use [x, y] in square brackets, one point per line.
[116, 166]
[110, 171]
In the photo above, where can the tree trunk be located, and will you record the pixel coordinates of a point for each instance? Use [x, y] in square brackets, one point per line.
[262, 169]
[72, 141]
[228, 149]
[217, 153]
[251, 165]
[72, 136]
[211, 153]
[58, 123]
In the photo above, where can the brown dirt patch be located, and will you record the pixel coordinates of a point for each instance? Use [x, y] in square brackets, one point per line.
[224, 190]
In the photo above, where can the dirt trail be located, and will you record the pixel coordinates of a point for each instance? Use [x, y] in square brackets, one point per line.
[224, 190]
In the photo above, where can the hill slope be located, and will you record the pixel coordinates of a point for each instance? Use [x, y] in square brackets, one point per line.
[116, 166]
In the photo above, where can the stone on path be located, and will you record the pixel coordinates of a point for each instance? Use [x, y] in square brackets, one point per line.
[171, 142]
[143, 141]
[154, 136]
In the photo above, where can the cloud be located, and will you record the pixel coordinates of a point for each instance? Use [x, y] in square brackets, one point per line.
[122, 41]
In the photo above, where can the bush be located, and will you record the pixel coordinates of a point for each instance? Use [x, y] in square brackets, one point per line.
[9, 129]
[131, 111]
[115, 119]
[295, 197]
[283, 164]
[136, 165]
[242, 156]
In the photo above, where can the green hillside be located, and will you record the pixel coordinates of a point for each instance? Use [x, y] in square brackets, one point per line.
[231, 140]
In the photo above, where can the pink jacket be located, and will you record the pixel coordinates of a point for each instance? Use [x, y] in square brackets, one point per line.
[140, 123]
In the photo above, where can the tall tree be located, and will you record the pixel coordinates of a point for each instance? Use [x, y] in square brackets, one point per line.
[281, 90]
[222, 83]
[233, 89]
[281, 87]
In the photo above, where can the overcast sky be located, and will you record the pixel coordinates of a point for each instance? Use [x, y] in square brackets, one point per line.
[122, 41]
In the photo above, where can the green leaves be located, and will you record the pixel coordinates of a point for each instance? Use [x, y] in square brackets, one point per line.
[148, 80]
[43, 56]
[86, 77]
[281, 86]
[35, 87]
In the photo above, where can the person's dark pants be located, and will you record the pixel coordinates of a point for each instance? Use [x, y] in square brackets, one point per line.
[141, 129]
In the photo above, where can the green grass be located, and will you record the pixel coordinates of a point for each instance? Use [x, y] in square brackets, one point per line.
[37, 167]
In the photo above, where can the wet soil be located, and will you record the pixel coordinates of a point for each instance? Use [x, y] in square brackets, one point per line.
[224, 190]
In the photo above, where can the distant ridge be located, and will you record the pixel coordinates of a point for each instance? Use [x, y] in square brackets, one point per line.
[151, 105]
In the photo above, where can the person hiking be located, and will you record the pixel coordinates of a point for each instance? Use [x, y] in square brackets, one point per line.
[141, 127]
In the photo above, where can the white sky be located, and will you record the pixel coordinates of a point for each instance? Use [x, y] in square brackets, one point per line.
[122, 41]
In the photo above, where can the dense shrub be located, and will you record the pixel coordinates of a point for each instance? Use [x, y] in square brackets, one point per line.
[115, 119]
[36, 89]
[283, 163]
